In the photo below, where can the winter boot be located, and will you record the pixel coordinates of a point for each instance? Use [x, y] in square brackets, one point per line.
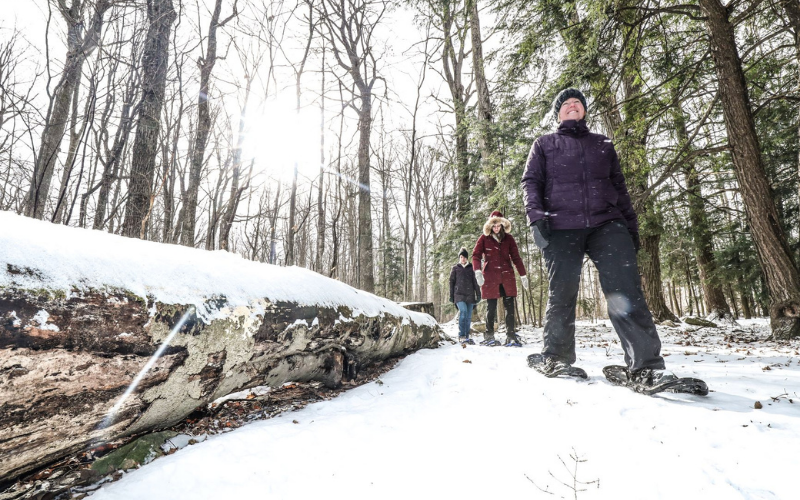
[488, 339]
[646, 379]
[552, 367]
[652, 381]
[513, 340]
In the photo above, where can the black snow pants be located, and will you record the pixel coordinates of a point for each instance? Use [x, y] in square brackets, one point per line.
[491, 313]
[610, 247]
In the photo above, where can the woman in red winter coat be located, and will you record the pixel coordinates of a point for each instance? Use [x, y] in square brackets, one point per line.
[497, 248]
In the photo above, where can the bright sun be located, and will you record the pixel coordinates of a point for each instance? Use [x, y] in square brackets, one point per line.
[279, 137]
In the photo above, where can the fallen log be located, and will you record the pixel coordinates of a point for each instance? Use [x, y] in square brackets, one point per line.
[86, 359]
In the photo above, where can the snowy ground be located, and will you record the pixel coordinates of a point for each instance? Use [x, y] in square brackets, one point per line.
[478, 423]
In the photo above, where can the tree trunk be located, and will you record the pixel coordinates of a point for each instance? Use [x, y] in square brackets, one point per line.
[321, 191]
[349, 30]
[792, 9]
[701, 234]
[632, 146]
[290, 236]
[236, 191]
[714, 296]
[79, 47]
[112, 162]
[744, 293]
[452, 64]
[273, 228]
[366, 272]
[485, 135]
[340, 202]
[206, 63]
[772, 247]
[651, 279]
[155, 59]
[75, 137]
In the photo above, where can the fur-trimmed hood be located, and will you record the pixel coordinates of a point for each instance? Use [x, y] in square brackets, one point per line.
[487, 228]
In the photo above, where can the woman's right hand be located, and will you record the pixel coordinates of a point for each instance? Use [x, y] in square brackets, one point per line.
[479, 278]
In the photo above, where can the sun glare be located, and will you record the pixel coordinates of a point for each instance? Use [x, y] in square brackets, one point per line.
[278, 137]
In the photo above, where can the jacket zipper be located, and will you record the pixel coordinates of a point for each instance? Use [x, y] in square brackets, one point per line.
[585, 185]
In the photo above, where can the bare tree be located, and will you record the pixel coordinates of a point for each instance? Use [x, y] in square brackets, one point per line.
[16, 113]
[298, 69]
[84, 21]
[453, 20]
[321, 188]
[206, 63]
[250, 59]
[349, 29]
[155, 59]
[485, 136]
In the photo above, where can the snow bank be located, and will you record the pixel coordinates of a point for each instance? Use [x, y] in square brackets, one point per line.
[37, 254]
[438, 426]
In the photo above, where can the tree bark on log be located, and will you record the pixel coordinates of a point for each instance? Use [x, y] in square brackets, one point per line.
[772, 247]
[66, 361]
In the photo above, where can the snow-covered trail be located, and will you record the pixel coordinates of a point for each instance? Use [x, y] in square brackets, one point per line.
[492, 427]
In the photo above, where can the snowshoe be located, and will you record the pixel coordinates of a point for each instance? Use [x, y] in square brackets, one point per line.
[513, 340]
[464, 340]
[490, 343]
[551, 367]
[651, 382]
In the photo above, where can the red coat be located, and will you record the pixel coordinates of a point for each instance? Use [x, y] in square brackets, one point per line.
[497, 269]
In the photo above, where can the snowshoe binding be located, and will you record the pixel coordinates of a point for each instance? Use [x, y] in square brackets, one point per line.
[551, 367]
[649, 382]
[489, 340]
[513, 340]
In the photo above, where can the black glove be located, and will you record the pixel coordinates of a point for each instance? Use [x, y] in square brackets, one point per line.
[541, 233]
[637, 244]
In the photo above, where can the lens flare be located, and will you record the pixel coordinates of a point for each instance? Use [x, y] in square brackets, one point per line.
[152, 361]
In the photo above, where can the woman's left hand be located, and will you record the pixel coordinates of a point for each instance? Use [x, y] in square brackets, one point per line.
[524, 282]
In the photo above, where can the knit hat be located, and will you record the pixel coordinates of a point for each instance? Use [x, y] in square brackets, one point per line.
[568, 94]
[463, 253]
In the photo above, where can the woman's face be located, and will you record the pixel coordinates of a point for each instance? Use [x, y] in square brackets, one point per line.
[571, 109]
[496, 228]
[462, 259]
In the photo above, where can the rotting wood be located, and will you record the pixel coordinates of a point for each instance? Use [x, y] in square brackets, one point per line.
[65, 361]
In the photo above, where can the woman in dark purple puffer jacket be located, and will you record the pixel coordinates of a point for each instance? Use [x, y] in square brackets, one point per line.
[577, 203]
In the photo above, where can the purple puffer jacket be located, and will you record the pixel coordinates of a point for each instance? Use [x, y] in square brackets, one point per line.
[574, 177]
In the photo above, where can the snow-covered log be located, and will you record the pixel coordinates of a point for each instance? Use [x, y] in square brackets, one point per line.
[103, 336]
